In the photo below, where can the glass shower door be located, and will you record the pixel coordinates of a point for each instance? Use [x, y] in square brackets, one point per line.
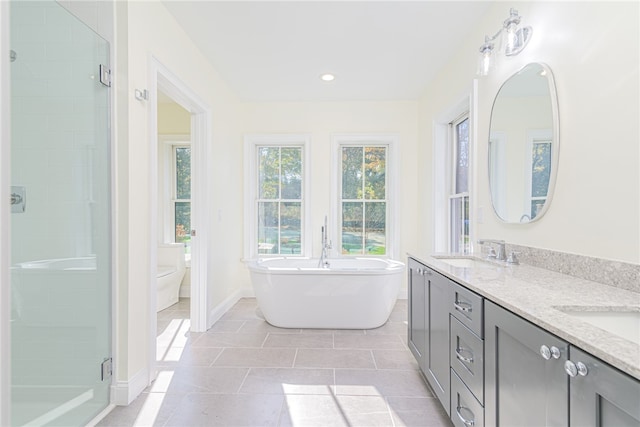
[60, 222]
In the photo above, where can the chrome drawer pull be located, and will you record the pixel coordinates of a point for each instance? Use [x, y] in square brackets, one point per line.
[463, 419]
[463, 306]
[462, 358]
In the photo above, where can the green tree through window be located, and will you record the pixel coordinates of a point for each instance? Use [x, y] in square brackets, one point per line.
[182, 196]
[363, 200]
[279, 202]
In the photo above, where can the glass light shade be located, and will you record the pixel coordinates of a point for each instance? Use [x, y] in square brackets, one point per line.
[485, 61]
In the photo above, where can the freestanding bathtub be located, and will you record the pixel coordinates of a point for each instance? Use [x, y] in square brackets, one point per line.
[353, 293]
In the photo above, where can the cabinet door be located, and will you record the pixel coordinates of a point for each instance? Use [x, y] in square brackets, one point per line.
[417, 297]
[522, 388]
[604, 397]
[438, 291]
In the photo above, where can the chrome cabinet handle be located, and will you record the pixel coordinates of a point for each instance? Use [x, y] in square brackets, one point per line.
[463, 419]
[574, 369]
[463, 306]
[549, 352]
[545, 352]
[461, 357]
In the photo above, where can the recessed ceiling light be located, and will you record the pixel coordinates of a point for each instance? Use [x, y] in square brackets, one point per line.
[327, 77]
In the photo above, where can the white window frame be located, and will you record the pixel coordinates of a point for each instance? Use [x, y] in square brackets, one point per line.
[452, 165]
[497, 173]
[167, 191]
[391, 142]
[438, 229]
[174, 188]
[251, 144]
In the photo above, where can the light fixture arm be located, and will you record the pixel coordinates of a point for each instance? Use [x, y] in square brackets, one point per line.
[516, 40]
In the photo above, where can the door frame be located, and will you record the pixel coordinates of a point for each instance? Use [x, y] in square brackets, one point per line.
[161, 78]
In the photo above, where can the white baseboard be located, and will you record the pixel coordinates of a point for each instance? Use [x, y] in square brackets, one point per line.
[218, 311]
[125, 392]
[185, 291]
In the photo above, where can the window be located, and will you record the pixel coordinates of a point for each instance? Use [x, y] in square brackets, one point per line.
[459, 195]
[364, 196]
[277, 176]
[540, 168]
[181, 195]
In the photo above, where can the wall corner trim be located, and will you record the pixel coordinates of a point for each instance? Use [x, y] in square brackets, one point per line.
[125, 392]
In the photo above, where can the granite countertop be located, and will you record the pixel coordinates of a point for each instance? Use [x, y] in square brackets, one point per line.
[538, 295]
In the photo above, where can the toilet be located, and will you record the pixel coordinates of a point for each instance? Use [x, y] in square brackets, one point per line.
[171, 270]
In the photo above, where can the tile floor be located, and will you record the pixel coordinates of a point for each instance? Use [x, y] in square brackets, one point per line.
[245, 372]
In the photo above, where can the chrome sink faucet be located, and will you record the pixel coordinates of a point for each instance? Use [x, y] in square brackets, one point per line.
[500, 254]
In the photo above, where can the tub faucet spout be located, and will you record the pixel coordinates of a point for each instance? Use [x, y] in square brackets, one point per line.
[326, 245]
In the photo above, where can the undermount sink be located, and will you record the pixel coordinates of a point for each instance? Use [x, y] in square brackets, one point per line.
[463, 262]
[625, 324]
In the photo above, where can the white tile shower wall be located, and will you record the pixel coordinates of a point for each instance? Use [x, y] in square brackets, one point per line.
[53, 139]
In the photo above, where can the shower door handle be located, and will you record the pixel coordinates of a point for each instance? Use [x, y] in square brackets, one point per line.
[18, 199]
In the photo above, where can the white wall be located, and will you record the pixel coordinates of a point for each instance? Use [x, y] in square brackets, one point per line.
[593, 50]
[321, 120]
[141, 37]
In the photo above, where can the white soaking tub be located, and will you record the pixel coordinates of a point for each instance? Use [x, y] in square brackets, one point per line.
[353, 293]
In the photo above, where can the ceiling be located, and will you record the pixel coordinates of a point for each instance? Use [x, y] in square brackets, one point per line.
[378, 50]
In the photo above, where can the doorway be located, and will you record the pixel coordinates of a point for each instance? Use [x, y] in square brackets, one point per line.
[168, 88]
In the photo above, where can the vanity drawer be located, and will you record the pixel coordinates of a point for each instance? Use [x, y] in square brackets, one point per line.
[467, 357]
[466, 306]
[465, 409]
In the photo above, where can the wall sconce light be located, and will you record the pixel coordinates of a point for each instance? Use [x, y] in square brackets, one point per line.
[514, 41]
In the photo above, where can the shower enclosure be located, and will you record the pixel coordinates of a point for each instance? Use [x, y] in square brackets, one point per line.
[60, 221]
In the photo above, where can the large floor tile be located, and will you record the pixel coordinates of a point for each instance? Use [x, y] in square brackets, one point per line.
[245, 372]
[203, 409]
[418, 412]
[257, 357]
[288, 381]
[260, 326]
[389, 328]
[193, 379]
[302, 340]
[335, 411]
[221, 339]
[149, 409]
[334, 358]
[395, 359]
[371, 342]
[370, 382]
[188, 356]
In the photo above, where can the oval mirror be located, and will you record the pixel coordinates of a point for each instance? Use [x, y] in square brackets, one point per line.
[524, 145]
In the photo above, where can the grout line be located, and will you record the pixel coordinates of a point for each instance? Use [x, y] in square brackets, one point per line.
[243, 381]
[264, 341]
[217, 357]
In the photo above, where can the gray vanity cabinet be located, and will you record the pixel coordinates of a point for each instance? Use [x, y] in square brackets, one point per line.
[417, 285]
[438, 374]
[600, 395]
[525, 381]
[428, 336]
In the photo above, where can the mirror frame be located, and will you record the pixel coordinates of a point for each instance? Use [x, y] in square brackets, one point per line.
[555, 146]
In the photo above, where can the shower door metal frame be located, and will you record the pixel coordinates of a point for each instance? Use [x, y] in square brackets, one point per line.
[5, 238]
